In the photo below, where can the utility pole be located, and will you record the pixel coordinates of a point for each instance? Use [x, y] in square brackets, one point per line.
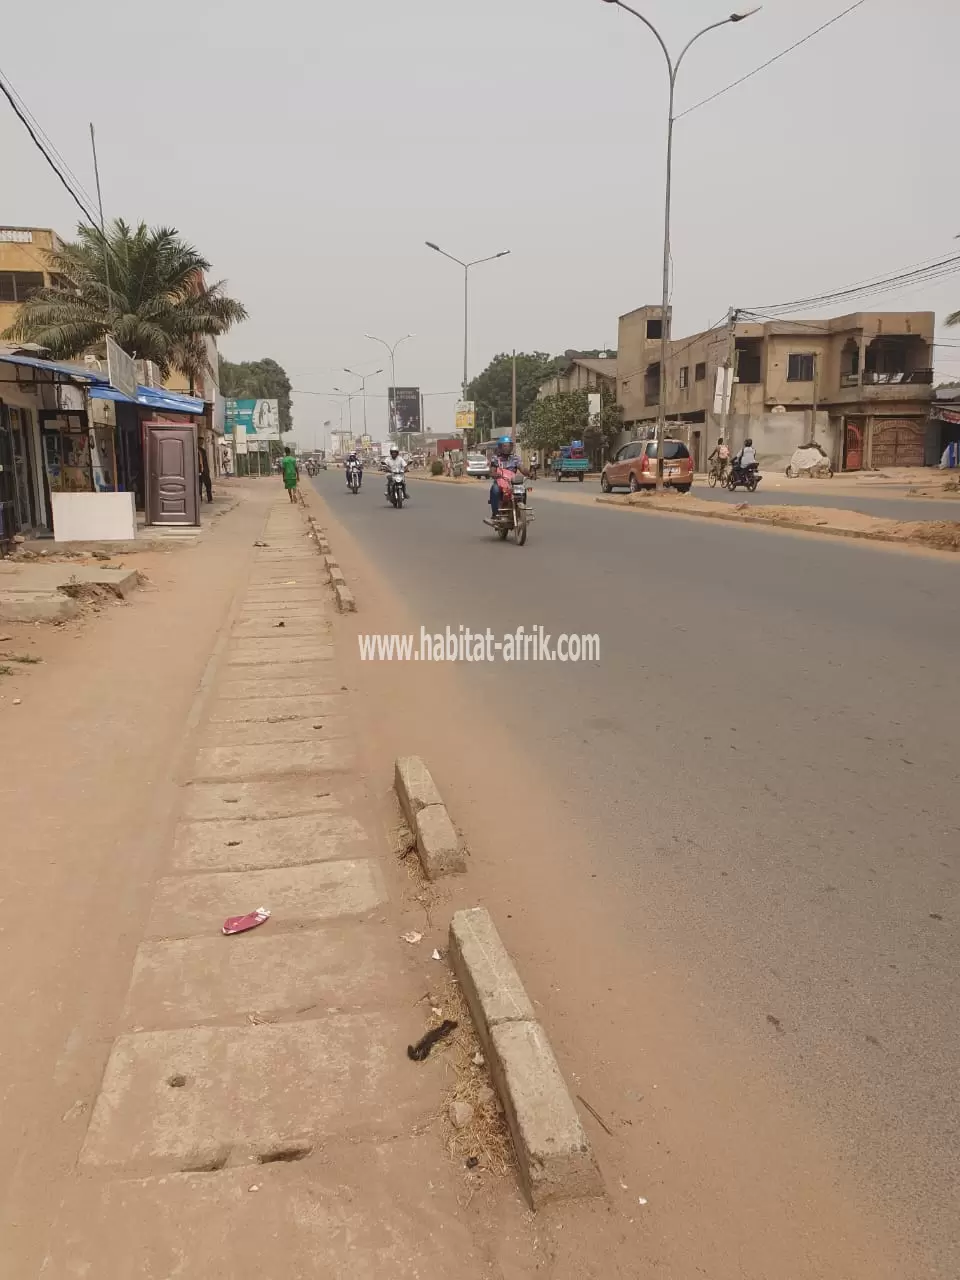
[816, 375]
[513, 397]
[730, 369]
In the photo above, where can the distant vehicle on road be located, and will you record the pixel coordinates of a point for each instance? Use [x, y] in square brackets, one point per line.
[635, 467]
[571, 462]
[477, 466]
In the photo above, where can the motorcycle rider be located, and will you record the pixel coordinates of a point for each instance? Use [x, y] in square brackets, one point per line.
[503, 463]
[747, 457]
[396, 467]
[354, 461]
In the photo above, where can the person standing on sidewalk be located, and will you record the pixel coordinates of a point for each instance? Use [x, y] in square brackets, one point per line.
[204, 473]
[290, 473]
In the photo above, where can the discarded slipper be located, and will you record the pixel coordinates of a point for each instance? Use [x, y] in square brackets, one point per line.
[240, 924]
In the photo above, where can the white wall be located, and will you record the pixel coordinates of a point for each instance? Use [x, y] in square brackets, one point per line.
[94, 517]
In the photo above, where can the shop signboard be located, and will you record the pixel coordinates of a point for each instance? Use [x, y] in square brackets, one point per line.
[466, 415]
[121, 370]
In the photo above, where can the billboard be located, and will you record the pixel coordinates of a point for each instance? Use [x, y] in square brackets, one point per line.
[404, 407]
[259, 418]
[466, 415]
[121, 370]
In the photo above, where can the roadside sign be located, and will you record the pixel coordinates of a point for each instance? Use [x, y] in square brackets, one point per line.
[466, 415]
[121, 370]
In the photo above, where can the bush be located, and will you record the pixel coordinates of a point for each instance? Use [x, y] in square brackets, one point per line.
[436, 467]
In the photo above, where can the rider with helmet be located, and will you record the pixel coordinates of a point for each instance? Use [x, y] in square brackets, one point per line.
[396, 467]
[504, 463]
[354, 461]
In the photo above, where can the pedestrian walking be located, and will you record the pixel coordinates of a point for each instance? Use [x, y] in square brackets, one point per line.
[203, 473]
[290, 472]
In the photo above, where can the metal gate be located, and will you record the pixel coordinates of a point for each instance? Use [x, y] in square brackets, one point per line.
[898, 442]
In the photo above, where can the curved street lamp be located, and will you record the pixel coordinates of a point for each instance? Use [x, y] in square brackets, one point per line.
[393, 365]
[363, 390]
[672, 68]
[466, 297]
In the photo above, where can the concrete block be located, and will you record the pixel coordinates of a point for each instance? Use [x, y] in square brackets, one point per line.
[194, 980]
[276, 842]
[330, 562]
[302, 682]
[438, 845]
[240, 710]
[276, 798]
[488, 977]
[336, 576]
[555, 1156]
[270, 759]
[277, 731]
[38, 606]
[185, 906]
[295, 649]
[346, 602]
[246, 1091]
[415, 787]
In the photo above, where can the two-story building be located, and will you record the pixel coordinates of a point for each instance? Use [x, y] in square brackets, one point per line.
[583, 373]
[861, 384]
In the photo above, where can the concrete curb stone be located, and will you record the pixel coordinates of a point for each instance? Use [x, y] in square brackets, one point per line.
[555, 1157]
[439, 847]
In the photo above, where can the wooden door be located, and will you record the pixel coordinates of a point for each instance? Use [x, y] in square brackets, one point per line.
[172, 488]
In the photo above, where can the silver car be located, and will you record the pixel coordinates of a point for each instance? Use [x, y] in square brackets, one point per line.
[477, 466]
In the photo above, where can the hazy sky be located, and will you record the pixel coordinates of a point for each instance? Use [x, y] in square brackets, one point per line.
[309, 149]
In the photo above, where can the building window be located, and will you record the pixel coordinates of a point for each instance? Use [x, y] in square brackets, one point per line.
[684, 376]
[700, 372]
[654, 329]
[800, 367]
[17, 286]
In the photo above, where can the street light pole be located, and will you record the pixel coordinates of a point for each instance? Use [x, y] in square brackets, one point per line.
[393, 367]
[363, 390]
[672, 69]
[466, 304]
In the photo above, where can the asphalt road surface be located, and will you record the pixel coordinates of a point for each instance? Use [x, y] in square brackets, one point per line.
[889, 502]
[767, 752]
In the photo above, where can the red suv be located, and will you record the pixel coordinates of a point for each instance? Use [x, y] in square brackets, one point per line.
[635, 467]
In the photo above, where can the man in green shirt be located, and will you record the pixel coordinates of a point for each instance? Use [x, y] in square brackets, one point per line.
[290, 472]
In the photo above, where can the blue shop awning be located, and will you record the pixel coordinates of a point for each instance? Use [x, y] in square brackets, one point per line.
[152, 398]
[76, 372]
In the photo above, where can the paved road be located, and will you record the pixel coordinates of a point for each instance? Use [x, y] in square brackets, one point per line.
[888, 502]
[795, 703]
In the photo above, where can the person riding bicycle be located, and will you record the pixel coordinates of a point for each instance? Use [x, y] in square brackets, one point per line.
[353, 461]
[504, 463]
[721, 456]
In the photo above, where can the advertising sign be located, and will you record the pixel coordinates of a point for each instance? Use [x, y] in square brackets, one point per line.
[259, 418]
[404, 407]
[466, 415]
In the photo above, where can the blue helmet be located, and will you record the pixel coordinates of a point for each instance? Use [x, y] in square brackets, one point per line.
[504, 440]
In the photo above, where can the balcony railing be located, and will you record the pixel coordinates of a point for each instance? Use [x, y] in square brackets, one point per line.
[913, 377]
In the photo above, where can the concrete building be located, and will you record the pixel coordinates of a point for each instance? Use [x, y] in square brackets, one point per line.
[23, 266]
[862, 383]
[583, 373]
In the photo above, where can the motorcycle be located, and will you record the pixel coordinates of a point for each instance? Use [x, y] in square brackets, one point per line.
[353, 479]
[396, 489]
[514, 515]
[311, 469]
[748, 477]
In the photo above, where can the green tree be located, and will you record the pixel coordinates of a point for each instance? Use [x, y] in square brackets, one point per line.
[258, 380]
[144, 287]
[554, 421]
[492, 389]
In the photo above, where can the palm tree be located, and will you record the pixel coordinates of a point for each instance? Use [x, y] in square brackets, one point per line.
[144, 287]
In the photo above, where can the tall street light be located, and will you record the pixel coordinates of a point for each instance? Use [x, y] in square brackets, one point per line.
[466, 299]
[672, 69]
[363, 390]
[393, 365]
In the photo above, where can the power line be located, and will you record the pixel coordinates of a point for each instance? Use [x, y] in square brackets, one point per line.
[22, 114]
[935, 269]
[770, 61]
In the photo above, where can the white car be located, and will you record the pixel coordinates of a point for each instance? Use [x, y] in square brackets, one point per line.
[477, 466]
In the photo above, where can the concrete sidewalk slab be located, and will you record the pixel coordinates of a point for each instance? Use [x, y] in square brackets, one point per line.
[266, 709]
[276, 842]
[303, 681]
[270, 759]
[249, 1092]
[277, 731]
[267, 628]
[281, 798]
[356, 1213]
[188, 905]
[195, 980]
[266, 653]
[319, 674]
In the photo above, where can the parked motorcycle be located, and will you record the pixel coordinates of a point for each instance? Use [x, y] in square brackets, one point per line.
[353, 479]
[396, 489]
[743, 477]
